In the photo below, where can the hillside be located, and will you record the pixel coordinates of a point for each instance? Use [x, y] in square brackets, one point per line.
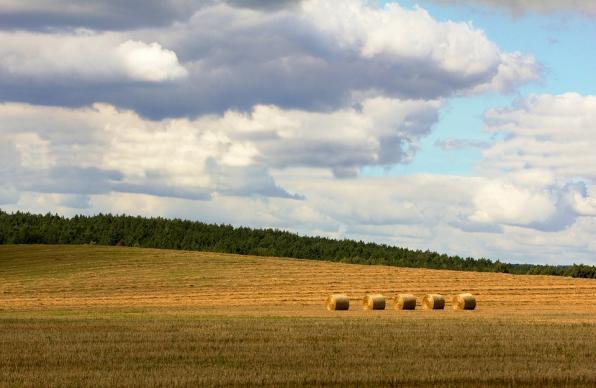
[80, 315]
[25, 228]
[83, 277]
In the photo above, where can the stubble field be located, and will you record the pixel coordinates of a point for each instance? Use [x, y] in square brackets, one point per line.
[90, 315]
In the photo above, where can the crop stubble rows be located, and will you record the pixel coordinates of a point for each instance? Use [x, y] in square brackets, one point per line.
[103, 316]
[42, 277]
[289, 351]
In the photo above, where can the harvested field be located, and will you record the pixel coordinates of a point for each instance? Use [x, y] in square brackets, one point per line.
[72, 277]
[107, 316]
[154, 350]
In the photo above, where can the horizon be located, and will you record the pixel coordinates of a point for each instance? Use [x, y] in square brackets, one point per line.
[495, 260]
[465, 128]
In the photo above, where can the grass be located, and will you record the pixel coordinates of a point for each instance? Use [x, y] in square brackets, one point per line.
[106, 316]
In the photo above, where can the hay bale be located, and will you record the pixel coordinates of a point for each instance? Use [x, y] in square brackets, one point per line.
[465, 301]
[405, 302]
[374, 302]
[433, 302]
[337, 302]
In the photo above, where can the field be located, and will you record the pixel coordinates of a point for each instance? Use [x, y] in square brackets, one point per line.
[91, 315]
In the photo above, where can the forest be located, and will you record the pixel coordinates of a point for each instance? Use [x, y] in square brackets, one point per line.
[107, 229]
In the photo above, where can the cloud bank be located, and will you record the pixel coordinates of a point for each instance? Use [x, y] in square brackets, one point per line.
[266, 114]
[231, 153]
[296, 56]
[298, 169]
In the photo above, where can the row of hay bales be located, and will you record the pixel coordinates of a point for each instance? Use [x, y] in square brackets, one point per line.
[465, 301]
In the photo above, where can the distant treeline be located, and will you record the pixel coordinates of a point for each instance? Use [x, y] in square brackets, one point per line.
[25, 228]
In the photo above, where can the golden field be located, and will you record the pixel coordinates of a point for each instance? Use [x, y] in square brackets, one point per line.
[113, 316]
[75, 277]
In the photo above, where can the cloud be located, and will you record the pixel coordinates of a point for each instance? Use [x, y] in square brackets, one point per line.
[440, 212]
[419, 212]
[160, 189]
[280, 167]
[527, 217]
[264, 114]
[149, 62]
[386, 201]
[102, 149]
[544, 132]
[68, 180]
[100, 14]
[382, 32]
[31, 58]
[515, 68]
[75, 201]
[517, 7]
[541, 164]
[9, 162]
[551, 208]
[458, 144]
[245, 181]
[264, 4]
[381, 131]
[52, 15]
[476, 227]
[296, 58]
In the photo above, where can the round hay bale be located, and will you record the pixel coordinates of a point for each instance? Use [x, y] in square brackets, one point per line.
[433, 302]
[337, 302]
[465, 301]
[374, 302]
[405, 302]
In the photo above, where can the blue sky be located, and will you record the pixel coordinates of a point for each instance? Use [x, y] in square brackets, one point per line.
[565, 44]
[457, 126]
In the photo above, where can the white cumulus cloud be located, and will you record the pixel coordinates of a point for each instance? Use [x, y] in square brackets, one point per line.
[87, 56]
[556, 133]
[542, 164]
[150, 62]
[505, 203]
[414, 36]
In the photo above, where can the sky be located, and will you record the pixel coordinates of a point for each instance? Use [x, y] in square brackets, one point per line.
[463, 127]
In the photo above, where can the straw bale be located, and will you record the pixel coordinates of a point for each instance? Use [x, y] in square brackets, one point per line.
[465, 301]
[433, 302]
[405, 302]
[374, 302]
[337, 302]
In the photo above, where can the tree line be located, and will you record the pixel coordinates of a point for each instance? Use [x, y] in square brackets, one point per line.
[107, 229]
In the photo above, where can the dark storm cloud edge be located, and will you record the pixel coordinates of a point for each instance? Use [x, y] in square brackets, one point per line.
[44, 15]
